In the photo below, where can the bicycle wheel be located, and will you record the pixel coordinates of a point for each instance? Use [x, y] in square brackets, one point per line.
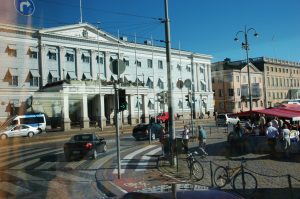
[197, 170]
[245, 183]
[220, 176]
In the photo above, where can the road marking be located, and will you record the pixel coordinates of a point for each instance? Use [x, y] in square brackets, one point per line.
[5, 163]
[145, 159]
[68, 176]
[21, 153]
[127, 158]
[45, 166]
[25, 164]
[13, 189]
[36, 180]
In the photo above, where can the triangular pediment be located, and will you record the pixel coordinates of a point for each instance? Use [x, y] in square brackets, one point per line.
[81, 30]
[251, 67]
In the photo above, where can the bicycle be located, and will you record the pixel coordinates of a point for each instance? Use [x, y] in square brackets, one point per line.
[242, 182]
[195, 167]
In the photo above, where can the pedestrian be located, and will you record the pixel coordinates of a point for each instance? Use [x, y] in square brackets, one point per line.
[272, 134]
[208, 114]
[202, 139]
[185, 138]
[239, 133]
[286, 141]
[163, 141]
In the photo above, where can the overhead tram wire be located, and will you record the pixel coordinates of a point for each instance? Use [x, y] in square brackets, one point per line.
[97, 10]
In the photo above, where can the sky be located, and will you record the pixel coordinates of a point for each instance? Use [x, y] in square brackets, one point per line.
[201, 26]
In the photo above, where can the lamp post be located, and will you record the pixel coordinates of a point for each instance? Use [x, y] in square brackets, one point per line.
[245, 46]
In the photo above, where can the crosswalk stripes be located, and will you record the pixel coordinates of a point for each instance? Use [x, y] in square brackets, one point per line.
[23, 158]
[13, 189]
[28, 168]
[145, 160]
[128, 160]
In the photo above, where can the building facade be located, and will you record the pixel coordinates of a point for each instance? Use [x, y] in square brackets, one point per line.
[273, 81]
[281, 79]
[230, 87]
[67, 73]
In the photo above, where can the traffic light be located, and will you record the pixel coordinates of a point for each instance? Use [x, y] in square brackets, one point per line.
[122, 100]
[187, 98]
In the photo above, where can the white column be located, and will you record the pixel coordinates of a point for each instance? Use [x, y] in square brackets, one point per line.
[107, 62]
[209, 78]
[66, 117]
[133, 117]
[101, 109]
[94, 64]
[84, 112]
[44, 66]
[78, 64]
[61, 62]
[145, 108]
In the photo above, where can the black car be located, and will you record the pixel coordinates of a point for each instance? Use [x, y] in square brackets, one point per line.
[84, 146]
[142, 131]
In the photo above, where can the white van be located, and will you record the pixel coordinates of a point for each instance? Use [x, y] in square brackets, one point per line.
[36, 120]
[224, 120]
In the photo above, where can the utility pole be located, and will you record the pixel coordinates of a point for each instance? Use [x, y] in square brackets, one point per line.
[169, 76]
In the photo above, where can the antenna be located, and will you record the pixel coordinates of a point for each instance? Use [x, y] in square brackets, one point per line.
[80, 12]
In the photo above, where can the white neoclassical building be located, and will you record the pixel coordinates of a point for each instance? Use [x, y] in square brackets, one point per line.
[66, 72]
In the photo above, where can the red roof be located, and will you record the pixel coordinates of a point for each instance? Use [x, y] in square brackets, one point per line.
[289, 112]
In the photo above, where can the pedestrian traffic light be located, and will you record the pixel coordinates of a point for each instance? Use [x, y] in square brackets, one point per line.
[187, 98]
[122, 100]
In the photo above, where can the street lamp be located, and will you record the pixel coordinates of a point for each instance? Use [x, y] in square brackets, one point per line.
[245, 46]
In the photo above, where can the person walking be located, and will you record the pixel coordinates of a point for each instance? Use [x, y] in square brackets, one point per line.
[272, 134]
[185, 138]
[286, 141]
[202, 139]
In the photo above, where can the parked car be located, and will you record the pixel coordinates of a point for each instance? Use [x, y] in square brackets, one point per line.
[142, 131]
[162, 117]
[17, 131]
[224, 120]
[84, 145]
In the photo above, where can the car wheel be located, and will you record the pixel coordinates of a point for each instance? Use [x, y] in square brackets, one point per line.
[3, 137]
[95, 154]
[30, 134]
[104, 148]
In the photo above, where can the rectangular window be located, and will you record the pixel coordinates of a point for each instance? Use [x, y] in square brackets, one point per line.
[34, 81]
[52, 55]
[244, 79]
[238, 91]
[100, 60]
[70, 57]
[12, 52]
[149, 63]
[230, 92]
[160, 64]
[138, 63]
[220, 93]
[85, 59]
[229, 78]
[14, 81]
[33, 55]
[238, 78]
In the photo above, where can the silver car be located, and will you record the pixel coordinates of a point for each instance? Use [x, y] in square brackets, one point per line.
[18, 130]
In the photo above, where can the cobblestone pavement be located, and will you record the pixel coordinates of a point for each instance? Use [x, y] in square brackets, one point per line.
[277, 177]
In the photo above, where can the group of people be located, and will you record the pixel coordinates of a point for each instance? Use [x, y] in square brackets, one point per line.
[185, 135]
[274, 129]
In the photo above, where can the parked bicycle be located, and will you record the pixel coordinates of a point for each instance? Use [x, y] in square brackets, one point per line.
[195, 167]
[243, 182]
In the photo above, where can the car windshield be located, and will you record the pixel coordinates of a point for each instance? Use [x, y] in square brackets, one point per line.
[83, 137]
[116, 94]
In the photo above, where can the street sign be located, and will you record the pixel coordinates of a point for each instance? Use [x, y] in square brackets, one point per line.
[117, 66]
[25, 7]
